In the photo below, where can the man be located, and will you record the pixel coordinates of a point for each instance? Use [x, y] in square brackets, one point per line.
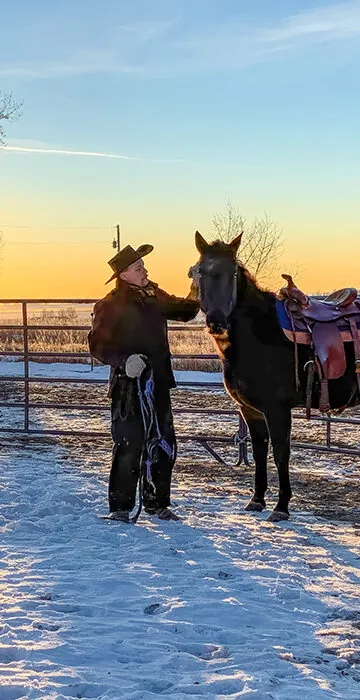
[129, 332]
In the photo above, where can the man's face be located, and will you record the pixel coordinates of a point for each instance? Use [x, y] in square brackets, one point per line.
[135, 274]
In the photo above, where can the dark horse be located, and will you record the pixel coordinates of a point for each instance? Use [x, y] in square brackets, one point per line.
[259, 362]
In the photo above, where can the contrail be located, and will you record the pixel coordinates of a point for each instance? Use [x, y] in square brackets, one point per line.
[91, 154]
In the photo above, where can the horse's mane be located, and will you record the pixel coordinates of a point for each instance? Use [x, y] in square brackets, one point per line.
[254, 294]
[251, 280]
[252, 287]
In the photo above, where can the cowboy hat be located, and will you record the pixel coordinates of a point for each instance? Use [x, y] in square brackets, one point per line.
[127, 256]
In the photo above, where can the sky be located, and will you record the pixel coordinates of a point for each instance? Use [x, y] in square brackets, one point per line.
[154, 114]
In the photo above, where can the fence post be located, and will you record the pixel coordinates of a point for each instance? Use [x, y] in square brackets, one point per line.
[26, 365]
[91, 357]
[328, 434]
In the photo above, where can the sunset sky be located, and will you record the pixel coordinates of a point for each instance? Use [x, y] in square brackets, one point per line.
[161, 111]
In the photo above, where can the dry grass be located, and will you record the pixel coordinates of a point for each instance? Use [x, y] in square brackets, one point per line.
[196, 342]
[48, 340]
[191, 342]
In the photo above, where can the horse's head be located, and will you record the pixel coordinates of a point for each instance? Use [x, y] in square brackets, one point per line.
[216, 276]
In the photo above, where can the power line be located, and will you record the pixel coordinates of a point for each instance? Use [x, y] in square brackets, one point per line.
[69, 228]
[115, 243]
[61, 243]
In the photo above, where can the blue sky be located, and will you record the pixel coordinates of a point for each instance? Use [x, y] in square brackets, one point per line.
[205, 100]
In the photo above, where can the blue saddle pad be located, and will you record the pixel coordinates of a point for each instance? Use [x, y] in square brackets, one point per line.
[296, 330]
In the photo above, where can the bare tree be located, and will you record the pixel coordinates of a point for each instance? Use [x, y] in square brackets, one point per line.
[228, 224]
[262, 247]
[9, 110]
[262, 242]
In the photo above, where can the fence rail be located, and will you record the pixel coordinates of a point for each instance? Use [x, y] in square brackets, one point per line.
[239, 440]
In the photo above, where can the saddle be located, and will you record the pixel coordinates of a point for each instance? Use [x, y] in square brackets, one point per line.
[325, 325]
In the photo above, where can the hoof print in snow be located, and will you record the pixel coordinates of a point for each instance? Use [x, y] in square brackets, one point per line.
[152, 609]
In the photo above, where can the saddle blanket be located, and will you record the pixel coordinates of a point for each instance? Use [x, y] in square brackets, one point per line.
[296, 330]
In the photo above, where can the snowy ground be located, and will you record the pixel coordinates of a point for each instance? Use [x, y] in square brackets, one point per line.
[221, 605]
[83, 370]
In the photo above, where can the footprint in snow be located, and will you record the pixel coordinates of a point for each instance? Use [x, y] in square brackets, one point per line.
[224, 575]
[9, 654]
[157, 687]
[207, 652]
[153, 609]
[48, 626]
[65, 608]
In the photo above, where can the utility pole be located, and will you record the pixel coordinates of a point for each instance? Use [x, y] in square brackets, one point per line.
[116, 241]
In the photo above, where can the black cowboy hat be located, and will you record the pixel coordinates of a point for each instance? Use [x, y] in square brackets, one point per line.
[127, 256]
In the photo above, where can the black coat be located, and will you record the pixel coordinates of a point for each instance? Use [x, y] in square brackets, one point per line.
[134, 320]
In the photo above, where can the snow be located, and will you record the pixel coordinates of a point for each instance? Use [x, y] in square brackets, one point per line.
[65, 370]
[220, 605]
[82, 370]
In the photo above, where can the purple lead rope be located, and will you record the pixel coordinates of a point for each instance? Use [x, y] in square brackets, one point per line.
[152, 435]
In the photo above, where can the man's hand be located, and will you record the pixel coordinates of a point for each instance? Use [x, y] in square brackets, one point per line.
[135, 365]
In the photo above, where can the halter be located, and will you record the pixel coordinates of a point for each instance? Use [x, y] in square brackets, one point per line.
[235, 289]
[234, 293]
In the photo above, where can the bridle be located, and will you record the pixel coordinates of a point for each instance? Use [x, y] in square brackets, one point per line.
[235, 288]
[234, 294]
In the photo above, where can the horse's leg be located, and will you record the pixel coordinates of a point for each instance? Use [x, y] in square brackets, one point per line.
[260, 442]
[279, 424]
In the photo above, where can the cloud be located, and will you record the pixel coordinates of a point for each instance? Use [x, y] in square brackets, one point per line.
[330, 22]
[55, 48]
[234, 45]
[180, 43]
[89, 154]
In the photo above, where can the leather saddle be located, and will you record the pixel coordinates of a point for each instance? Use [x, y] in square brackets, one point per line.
[325, 320]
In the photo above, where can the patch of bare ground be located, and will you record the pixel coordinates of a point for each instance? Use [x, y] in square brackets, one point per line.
[318, 495]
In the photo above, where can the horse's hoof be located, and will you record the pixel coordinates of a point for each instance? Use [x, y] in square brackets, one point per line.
[255, 507]
[277, 516]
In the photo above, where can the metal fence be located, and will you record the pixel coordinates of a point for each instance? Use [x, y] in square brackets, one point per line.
[239, 440]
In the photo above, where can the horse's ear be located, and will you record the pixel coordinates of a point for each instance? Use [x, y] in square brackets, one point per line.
[235, 243]
[200, 242]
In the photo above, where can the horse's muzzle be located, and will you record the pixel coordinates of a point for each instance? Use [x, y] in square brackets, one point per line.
[216, 329]
[216, 323]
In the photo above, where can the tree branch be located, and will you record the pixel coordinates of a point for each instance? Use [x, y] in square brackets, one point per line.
[262, 242]
[9, 110]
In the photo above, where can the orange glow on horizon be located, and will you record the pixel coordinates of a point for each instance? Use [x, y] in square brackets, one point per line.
[62, 270]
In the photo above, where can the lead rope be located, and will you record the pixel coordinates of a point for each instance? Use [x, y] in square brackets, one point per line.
[153, 439]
